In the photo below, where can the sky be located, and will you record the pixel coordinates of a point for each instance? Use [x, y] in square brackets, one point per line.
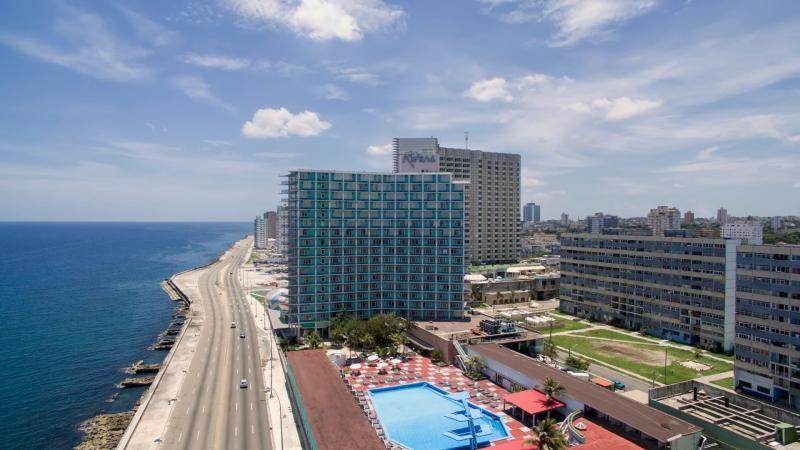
[192, 110]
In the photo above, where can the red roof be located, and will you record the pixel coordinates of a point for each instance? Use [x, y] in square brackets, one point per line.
[532, 401]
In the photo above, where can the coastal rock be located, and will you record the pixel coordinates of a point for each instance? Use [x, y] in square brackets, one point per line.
[104, 431]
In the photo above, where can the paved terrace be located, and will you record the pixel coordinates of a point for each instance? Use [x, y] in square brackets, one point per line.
[335, 418]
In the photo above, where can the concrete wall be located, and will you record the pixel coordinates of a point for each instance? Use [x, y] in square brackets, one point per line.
[444, 346]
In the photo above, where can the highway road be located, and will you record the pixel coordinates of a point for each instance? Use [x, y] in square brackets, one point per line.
[212, 411]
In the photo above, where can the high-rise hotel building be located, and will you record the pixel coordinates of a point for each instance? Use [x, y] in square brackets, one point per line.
[370, 243]
[674, 288]
[492, 196]
[768, 322]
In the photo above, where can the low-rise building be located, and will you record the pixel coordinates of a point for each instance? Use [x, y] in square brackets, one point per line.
[521, 284]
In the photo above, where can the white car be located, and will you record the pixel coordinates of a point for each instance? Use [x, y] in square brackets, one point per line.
[243, 384]
[233, 324]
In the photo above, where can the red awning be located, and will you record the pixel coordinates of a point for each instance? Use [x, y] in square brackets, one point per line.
[532, 401]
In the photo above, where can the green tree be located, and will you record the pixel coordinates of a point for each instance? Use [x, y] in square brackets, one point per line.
[313, 340]
[552, 389]
[475, 294]
[550, 349]
[548, 436]
[436, 356]
[475, 366]
[698, 353]
[577, 363]
[399, 340]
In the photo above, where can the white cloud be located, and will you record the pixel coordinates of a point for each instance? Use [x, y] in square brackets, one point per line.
[347, 20]
[149, 29]
[624, 107]
[331, 91]
[488, 90]
[215, 61]
[355, 75]
[273, 123]
[197, 89]
[576, 20]
[380, 150]
[85, 44]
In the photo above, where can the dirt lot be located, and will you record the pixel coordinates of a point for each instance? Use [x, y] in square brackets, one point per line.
[632, 353]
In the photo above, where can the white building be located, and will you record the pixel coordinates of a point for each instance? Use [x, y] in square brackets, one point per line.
[664, 218]
[564, 219]
[748, 233]
[722, 216]
[776, 223]
[260, 232]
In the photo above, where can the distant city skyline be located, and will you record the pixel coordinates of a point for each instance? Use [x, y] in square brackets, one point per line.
[184, 111]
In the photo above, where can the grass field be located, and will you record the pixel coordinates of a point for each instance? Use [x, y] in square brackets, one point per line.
[562, 324]
[610, 334]
[643, 359]
[725, 382]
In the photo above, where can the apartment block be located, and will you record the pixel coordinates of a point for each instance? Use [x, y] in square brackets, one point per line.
[492, 197]
[260, 232]
[673, 288]
[370, 243]
[768, 322]
[663, 218]
[271, 218]
[747, 233]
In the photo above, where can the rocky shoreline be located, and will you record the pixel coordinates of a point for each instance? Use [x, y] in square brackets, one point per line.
[104, 431]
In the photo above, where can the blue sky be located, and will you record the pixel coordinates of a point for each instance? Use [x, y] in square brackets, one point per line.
[189, 110]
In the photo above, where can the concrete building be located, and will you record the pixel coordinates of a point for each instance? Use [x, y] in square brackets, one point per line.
[522, 284]
[492, 196]
[663, 218]
[722, 216]
[673, 288]
[598, 223]
[370, 243]
[531, 213]
[688, 218]
[747, 233]
[271, 218]
[260, 232]
[564, 219]
[776, 223]
[768, 322]
[282, 229]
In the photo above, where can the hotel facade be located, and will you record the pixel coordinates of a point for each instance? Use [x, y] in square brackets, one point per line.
[370, 243]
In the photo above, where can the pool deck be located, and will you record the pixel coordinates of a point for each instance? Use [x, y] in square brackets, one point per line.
[451, 379]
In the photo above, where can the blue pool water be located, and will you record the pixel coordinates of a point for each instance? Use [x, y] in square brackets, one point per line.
[422, 416]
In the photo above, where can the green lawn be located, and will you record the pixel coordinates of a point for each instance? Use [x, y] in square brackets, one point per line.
[725, 382]
[610, 334]
[563, 325]
[629, 358]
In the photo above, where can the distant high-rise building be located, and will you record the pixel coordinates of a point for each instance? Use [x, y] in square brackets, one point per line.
[776, 223]
[531, 212]
[271, 217]
[600, 222]
[722, 216]
[260, 232]
[688, 217]
[372, 243]
[747, 232]
[283, 228]
[492, 196]
[663, 218]
[564, 219]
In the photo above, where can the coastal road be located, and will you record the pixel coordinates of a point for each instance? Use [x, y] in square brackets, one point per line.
[212, 411]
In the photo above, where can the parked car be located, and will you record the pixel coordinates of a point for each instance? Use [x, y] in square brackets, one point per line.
[618, 385]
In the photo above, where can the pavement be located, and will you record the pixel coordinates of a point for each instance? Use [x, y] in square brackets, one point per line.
[203, 407]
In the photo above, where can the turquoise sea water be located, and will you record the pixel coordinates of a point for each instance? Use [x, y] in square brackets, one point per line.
[420, 415]
[78, 303]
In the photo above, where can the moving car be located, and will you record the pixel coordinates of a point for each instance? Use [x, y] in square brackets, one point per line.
[618, 385]
[243, 384]
[233, 324]
[241, 335]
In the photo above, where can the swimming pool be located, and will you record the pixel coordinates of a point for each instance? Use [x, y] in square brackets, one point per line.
[422, 416]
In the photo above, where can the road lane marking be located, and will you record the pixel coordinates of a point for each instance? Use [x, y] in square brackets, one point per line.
[198, 436]
[187, 411]
[235, 431]
[237, 406]
[180, 436]
[204, 410]
[251, 406]
[252, 429]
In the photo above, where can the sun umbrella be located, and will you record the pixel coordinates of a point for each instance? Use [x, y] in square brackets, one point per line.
[355, 366]
[396, 361]
[382, 365]
[373, 358]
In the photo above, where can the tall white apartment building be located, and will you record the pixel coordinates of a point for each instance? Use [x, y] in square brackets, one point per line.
[260, 232]
[492, 195]
[664, 218]
[748, 233]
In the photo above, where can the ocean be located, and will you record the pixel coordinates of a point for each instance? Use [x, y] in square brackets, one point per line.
[78, 303]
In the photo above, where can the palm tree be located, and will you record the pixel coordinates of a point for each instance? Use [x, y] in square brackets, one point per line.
[550, 349]
[314, 340]
[549, 437]
[399, 340]
[552, 388]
